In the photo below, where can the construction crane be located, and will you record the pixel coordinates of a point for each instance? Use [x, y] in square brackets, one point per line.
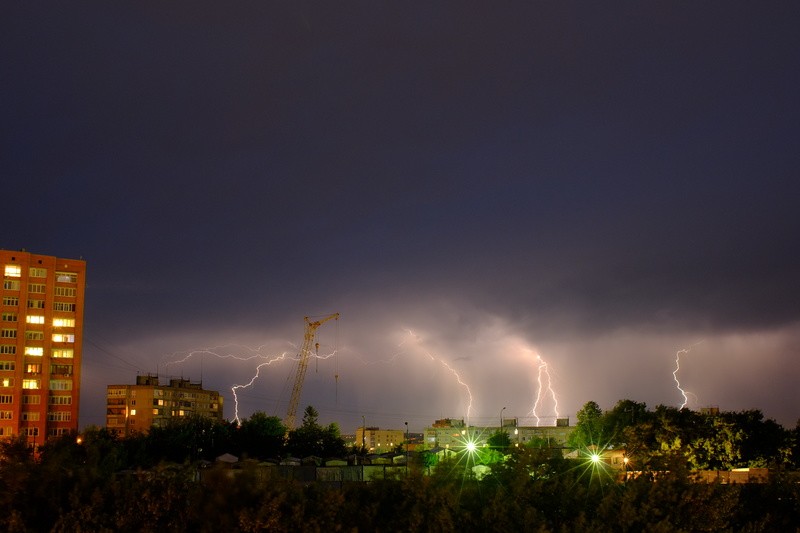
[302, 365]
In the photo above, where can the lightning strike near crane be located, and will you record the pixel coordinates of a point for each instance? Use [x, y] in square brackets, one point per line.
[301, 359]
[250, 383]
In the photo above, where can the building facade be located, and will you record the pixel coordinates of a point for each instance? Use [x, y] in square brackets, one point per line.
[40, 344]
[453, 434]
[137, 408]
[379, 440]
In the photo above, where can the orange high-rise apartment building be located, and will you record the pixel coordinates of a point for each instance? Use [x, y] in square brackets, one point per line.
[40, 344]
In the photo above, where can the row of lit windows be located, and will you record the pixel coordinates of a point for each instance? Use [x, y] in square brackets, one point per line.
[15, 271]
[39, 319]
[57, 322]
[162, 412]
[35, 368]
[38, 351]
[35, 384]
[57, 337]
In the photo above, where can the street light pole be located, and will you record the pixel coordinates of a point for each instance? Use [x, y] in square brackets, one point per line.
[406, 448]
[501, 418]
[363, 433]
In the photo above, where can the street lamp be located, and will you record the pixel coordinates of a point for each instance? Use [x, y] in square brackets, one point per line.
[501, 418]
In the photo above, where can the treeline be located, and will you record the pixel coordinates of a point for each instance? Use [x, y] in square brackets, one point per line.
[534, 490]
[150, 482]
[654, 439]
[189, 439]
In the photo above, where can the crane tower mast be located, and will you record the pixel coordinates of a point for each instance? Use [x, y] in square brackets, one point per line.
[302, 366]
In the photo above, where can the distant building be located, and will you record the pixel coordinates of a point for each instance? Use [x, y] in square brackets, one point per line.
[450, 433]
[379, 440]
[132, 408]
[40, 344]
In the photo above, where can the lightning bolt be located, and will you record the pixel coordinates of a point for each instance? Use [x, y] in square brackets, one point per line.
[684, 393]
[540, 391]
[412, 335]
[255, 354]
[250, 383]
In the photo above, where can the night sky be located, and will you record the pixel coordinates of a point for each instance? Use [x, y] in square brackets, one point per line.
[468, 184]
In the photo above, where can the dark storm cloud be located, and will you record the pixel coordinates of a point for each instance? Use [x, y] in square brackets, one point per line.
[560, 172]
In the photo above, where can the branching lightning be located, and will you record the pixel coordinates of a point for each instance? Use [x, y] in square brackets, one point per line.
[256, 354]
[541, 392]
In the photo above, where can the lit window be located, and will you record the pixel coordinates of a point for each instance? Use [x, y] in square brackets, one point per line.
[67, 277]
[8, 333]
[8, 349]
[13, 271]
[11, 284]
[155, 411]
[133, 412]
[34, 319]
[6, 432]
[9, 317]
[62, 353]
[6, 382]
[37, 272]
[59, 337]
[30, 383]
[33, 368]
[64, 322]
[11, 300]
[36, 351]
[63, 306]
[35, 304]
[30, 416]
[34, 335]
[37, 288]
